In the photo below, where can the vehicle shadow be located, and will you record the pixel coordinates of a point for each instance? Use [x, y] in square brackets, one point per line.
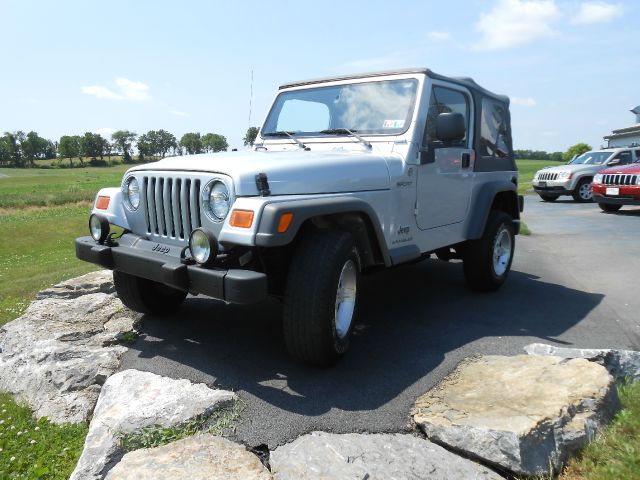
[410, 318]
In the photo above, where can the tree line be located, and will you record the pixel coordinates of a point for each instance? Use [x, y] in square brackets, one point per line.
[18, 149]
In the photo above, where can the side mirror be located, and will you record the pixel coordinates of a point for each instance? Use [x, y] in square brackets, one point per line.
[450, 127]
[613, 161]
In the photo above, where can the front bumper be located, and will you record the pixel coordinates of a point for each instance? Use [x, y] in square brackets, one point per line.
[136, 256]
[598, 198]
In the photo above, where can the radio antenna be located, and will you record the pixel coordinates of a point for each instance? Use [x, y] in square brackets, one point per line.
[250, 98]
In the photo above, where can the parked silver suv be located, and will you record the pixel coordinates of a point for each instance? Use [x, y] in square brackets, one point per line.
[348, 175]
[575, 177]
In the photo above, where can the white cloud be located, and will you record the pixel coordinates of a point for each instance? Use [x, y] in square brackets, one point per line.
[438, 36]
[106, 132]
[516, 22]
[597, 12]
[125, 90]
[178, 113]
[524, 101]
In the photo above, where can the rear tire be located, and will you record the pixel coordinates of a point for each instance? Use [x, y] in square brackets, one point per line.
[548, 198]
[487, 261]
[609, 207]
[320, 302]
[583, 192]
[146, 296]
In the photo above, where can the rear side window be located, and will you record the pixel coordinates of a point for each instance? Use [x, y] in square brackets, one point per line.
[445, 100]
[494, 130]
[624, 157]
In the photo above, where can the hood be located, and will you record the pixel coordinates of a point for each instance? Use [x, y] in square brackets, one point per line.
[575, 168]
[288, 172]
[632, 168]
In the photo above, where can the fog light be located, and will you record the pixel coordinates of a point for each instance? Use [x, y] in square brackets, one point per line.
[98, 227]
[203, 245]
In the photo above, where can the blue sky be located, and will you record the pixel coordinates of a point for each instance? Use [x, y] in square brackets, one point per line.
[571, 67]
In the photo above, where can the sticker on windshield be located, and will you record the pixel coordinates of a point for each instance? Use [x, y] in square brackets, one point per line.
[393, 124]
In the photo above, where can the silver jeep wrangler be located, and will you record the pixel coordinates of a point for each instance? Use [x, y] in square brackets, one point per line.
[348, 175]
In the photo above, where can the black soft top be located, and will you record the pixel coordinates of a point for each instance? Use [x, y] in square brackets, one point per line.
[464, 81]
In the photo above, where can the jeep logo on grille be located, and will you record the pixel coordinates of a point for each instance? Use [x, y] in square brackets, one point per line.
[161, 248]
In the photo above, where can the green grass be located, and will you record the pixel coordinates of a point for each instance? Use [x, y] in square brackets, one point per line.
[527, 169]
[614, 455]
[219, 422]
[36, 251]
[35, 187]
[36, 449]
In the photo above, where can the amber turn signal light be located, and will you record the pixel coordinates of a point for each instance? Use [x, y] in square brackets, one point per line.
[102, 203]
[241, 218]
[285, 221]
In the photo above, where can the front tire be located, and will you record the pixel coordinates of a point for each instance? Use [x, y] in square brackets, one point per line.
[609, 207]
[320, 302]
[487, 261]
[583, 192]
[146, 296]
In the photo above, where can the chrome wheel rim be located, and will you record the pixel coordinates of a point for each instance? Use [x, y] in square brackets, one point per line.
[586, 191]
[345, 299]
[502, 247]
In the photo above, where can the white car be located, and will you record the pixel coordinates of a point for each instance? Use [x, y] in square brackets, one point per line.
[575, 177]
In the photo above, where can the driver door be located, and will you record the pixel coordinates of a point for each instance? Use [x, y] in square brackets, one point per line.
[445, 173]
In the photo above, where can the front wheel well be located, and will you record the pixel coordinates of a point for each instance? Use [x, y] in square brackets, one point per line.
[358, 224]
[507, 202]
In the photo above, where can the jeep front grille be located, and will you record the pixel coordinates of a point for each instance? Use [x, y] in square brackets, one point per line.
[547, 176]
[172, 206]
[619, 179]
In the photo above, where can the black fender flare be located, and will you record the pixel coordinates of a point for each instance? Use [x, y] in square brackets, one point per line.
[267, 234]
[482, 202]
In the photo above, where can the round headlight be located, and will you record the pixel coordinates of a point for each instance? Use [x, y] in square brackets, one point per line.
[132, 193]
[98, 227]
[218, 200]
[203, 246]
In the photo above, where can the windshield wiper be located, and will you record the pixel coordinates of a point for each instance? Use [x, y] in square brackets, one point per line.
[346, 131]
[283, 133]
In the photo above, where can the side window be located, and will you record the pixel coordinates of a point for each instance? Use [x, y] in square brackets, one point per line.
[494, 133]
[637, 152]
[445, 100]
[624, 157]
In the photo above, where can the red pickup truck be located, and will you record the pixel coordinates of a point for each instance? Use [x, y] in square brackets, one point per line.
[617, 186]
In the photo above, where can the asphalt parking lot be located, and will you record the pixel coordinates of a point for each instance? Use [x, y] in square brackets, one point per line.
[575, 282]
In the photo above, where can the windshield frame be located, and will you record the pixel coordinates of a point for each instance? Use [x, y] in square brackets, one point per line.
[409, 121]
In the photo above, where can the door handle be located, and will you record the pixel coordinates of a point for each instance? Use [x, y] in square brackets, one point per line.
[466, 160]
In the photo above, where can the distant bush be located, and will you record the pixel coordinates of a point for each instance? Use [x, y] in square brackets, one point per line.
[98, 163]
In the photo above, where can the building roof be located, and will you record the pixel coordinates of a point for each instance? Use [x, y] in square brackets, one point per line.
[624, 132]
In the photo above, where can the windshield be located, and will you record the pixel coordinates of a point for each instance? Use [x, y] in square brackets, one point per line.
[367, 108]
[591, 158]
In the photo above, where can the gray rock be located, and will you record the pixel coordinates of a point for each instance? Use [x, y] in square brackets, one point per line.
[322, 455]
[203, 457]
[622, 364]
[132, 400]
[56, 356]
[526, 413]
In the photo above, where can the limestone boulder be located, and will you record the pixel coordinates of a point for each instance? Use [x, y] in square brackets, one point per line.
[525, 413]
[56, 356]
[202, 457]
[621, 364]
[322, 455]
[131, 401]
